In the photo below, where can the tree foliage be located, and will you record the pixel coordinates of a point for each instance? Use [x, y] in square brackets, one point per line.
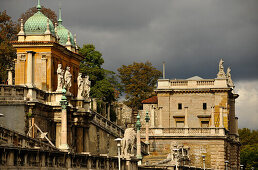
[249, 147]
[139, 80]
[103, 82]
[46, 11]
[8, 32]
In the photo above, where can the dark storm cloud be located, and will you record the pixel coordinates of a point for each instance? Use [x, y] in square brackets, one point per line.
[189, 35]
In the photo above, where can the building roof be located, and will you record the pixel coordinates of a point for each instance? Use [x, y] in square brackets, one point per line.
[152, 100]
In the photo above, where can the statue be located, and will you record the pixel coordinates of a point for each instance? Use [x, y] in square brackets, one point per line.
[68, 79]
[60, 77]
[128, 142]
[80, 82]
[229, 80]
[221, 74]
[86, 89]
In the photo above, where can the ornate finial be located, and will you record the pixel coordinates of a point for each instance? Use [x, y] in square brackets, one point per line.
[68, 39]
[47, 30]
[138, 122]
[74, 37]
[39, 6]
[60, 17]
[22, 28]
[221, 74]
[147, 117]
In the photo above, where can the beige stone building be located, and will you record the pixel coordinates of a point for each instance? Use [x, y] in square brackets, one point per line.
[196, 115]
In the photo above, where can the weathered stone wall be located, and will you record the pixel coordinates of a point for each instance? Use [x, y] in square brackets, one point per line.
[14, 117]
[194, 101]
[217, 151]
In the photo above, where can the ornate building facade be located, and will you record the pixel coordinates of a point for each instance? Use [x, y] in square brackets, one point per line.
[48, 106]
[197, 115]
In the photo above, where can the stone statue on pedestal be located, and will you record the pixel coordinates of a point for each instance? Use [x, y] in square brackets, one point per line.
[86, 89]
[230, 82]
[80, 82]
[60, 77]
[221, 74]
[68, 79]
[128, 142]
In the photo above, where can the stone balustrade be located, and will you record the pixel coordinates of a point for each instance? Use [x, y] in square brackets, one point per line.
[107, 125]
[16, 92]
[191, 84]
[13, 138]
[185, 132]
[27, 158]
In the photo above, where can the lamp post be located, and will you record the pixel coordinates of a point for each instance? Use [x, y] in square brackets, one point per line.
[138, 146]
[147, 118]
[241, 167]
[203, 161]
[118, 140]
[226, 162]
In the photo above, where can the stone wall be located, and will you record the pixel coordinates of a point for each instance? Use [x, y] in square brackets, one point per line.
[216, 151]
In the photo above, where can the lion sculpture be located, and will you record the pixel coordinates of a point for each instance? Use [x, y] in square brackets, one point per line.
[128, 142]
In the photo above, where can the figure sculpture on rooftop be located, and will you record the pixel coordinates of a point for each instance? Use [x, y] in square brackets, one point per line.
[86, 87]
[60, 77]
[68, 79]
[221, 74]
[80, 86]
[229, 80]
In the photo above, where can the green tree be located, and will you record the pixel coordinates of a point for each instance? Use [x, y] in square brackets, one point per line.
[139, 80]
[8, 32]
[249, 147]
[103, 82]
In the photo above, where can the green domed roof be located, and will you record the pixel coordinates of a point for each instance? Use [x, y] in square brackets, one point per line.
[62, 33]
[37, 24]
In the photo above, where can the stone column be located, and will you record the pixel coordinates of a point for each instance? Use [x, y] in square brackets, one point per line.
[94, 104]
[160, 117]
[30, 69]
[152, 117]
[63, 143]
[186, 117]
[212, 117]
[221, 117]
[10, 76]
[138, 139]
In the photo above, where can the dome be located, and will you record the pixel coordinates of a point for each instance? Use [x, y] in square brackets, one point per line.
[37, 24]
[62, 34]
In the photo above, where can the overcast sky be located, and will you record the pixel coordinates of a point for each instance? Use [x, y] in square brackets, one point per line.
[189, 35]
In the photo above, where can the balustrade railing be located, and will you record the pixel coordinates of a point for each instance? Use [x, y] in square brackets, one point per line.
[185, 132]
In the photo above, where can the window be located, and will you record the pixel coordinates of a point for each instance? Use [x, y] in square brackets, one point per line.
[180, 124]
[179, 106]
[205, 124]
[204, 106]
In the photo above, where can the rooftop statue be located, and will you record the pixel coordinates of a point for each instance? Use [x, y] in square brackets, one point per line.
[86, 87]
[230, 82]
[60, 77]
[221, 74]
[80, 82]
[68, 79]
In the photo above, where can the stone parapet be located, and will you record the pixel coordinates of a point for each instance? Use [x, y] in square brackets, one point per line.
[166, 84]
[185, 132]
